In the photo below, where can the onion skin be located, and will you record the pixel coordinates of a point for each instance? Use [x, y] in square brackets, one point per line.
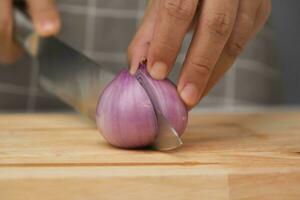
[125, 115]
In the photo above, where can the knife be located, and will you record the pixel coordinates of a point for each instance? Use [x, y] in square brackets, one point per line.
[64, 72]
[76, 79]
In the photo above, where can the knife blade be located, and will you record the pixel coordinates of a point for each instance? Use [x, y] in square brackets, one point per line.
[167, 138]
[64, 72]
[76, 79]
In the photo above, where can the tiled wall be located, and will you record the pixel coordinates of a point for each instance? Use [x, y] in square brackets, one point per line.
[102, 29]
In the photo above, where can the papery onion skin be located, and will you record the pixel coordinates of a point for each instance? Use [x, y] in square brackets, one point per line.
[125, 114]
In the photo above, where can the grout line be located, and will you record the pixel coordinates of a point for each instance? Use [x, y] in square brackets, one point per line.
[216, 99]
[13, 89]
[18, 90]
[230, 87]
[106, 56]
[239, 109]
[90, 26]
[33, 86]
[258, 67]
[101, 12]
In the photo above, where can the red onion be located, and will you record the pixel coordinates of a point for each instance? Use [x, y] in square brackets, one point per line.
[125, 113]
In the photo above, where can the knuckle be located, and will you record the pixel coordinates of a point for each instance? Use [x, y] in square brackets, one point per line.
[220, 24]
[165, 46]
[201, 67]
[235, 47]
[240, 36]
[246, 22]
[180, 9]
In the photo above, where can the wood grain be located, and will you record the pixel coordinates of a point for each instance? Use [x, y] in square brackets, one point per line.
[225, 156]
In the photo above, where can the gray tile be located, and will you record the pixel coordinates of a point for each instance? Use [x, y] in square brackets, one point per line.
[114, 35]
[253, 87]
[49, 104]
[219, 89]
[73, 30]
[72, 2]
[208, 102]
[17, 73]
[123, 4]
[116, 66]
[12, 102]
[261, 49]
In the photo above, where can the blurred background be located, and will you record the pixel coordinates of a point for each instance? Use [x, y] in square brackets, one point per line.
[266, 74]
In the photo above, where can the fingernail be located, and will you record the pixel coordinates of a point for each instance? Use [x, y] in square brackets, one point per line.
[159, 70]
[190, 94]
[135, 63]
[132, 70]
[47, 26]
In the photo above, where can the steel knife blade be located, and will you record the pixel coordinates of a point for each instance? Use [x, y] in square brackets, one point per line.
[64, 72]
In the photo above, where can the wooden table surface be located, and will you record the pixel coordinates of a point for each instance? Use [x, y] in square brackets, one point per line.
[224, 156]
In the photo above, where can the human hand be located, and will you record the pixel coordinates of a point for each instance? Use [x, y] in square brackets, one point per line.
[221, 31]
[45, 17]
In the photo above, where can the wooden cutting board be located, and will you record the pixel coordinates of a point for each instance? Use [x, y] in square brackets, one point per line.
[225, 156]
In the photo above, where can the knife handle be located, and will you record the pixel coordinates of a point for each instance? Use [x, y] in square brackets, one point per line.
[25, 33]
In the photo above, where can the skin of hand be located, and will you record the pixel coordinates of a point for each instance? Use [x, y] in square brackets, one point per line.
[46, 20]
[221, 30]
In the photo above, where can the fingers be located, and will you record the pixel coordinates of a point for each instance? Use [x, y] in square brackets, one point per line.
[251, 17]
[45, 16]
[9, 50]
[214, 27]
[172, 23]
[262, 15]
[242, 28]
[240, 35]
[138, 48]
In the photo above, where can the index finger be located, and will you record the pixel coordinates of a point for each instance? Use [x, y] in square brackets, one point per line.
[172, 23]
